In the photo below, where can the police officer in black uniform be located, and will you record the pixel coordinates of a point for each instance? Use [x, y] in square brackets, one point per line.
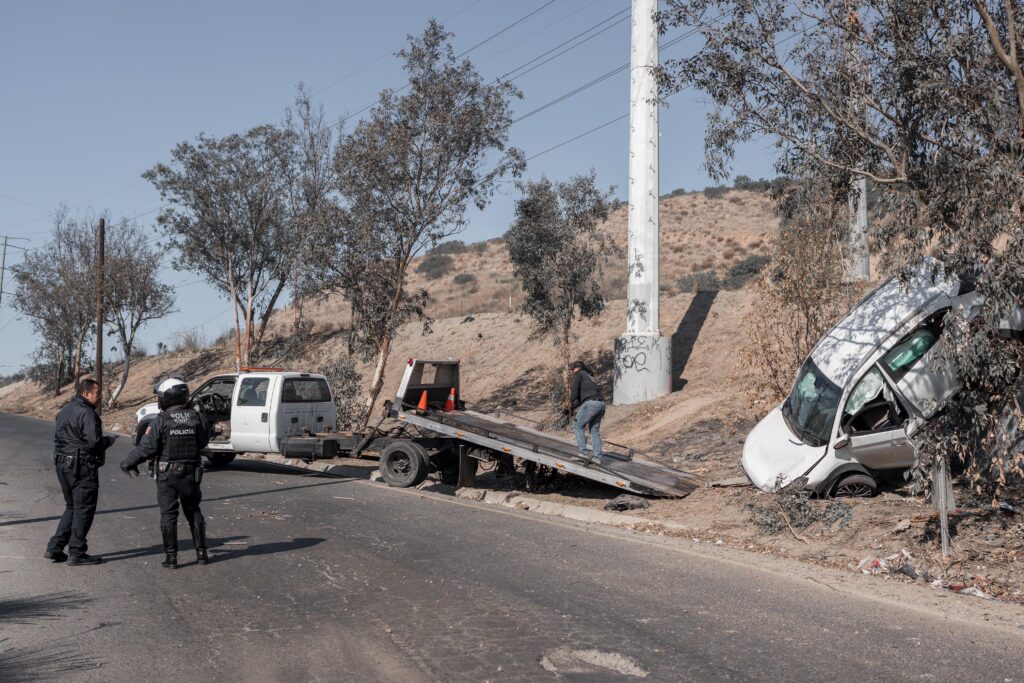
[79, 450]
[174, 443]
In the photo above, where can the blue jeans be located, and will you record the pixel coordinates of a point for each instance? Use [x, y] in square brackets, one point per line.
[590, 413]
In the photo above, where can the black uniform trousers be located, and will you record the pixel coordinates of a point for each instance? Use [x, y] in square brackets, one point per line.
[81, 487]
[178, 484]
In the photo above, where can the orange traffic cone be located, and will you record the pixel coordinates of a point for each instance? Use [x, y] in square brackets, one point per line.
[449, 405]
[423, 401]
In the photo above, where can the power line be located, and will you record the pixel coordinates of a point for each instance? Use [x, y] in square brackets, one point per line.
[599, 79]
[341, 122]
[370, 63]
[626, 115]
[506, 29]
[543, 29]
[566, 42]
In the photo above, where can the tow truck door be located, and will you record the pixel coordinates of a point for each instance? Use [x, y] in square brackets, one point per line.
[252, 405]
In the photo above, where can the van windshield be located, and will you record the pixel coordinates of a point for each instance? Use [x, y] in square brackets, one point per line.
[811, 409]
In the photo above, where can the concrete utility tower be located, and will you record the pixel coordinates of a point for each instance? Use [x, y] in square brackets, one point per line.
[643, 358]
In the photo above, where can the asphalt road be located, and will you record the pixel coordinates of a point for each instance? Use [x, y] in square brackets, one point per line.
[330, 579]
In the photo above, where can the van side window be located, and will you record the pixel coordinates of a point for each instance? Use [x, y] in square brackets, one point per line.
[305, 390]
[253, 391]
[909, 351]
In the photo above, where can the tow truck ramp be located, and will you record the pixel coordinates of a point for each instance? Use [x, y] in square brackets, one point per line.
[424, 400]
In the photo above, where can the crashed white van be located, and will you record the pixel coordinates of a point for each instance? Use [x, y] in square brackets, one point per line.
[871, 381]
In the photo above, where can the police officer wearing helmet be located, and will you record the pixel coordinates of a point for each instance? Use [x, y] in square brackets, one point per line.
[174, 442]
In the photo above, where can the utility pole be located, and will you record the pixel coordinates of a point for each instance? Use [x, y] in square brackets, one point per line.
[860, 256]
[643, 360]
[3, 260]
[100, 270]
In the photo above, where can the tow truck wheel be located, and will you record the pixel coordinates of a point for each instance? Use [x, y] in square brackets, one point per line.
[855, 486]
[220, 459]
[403, 464]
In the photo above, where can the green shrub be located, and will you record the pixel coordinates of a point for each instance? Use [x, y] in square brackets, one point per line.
[435, 266]
[449, 247]
[464, 278]
[744, 271]
[715, 191]
[700, 281]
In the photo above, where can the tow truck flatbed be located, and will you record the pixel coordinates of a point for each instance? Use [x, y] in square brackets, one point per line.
[493, 434]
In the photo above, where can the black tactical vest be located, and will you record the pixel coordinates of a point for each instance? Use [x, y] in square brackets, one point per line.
[180, 436]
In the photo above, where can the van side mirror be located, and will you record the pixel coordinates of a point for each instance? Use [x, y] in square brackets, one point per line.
[842, 442]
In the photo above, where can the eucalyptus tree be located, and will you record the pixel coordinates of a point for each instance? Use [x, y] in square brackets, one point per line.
[558, 247]
[134, 294]
[407, 175]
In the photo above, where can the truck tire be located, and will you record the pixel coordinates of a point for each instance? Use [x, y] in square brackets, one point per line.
[220, 459]
[403, 464]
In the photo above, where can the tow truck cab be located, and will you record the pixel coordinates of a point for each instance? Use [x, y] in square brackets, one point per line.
[253, 410]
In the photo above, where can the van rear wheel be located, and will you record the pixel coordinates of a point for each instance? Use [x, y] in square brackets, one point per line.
[855, 486]
[403, 464]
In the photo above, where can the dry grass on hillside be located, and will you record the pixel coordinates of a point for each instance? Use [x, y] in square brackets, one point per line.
[697, 233]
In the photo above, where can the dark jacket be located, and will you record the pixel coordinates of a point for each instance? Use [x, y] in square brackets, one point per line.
[178, 434]
[584, 389]
[80, 432]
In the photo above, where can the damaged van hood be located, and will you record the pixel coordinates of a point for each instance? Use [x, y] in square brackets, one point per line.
[773, 450]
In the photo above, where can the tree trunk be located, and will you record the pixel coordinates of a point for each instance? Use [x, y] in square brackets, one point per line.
[385, 348]
[59, 370]
[378, 380]
[127, 343]
[112, 401]
[265, 318]
[234, 308]
[566, 359]
[248, 322]
[76, 370]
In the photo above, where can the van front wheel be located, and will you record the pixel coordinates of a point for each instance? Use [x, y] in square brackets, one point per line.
[855, 486]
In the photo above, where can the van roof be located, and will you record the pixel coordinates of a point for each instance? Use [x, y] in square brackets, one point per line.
[847, 345]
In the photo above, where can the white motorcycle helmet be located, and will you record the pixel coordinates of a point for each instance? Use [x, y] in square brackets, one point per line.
[171, 392]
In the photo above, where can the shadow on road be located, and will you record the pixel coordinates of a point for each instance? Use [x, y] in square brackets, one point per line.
[264, 549]
[42, 662]
[221, 549]
[25, 610]
[248, 494]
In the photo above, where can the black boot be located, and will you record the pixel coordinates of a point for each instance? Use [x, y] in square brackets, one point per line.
[170, 535]
[199, 540]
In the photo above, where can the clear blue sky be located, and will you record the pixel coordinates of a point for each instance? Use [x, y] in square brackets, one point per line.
[95, 93]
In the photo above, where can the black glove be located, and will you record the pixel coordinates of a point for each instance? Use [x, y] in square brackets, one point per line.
[109, 440]
[129, 469]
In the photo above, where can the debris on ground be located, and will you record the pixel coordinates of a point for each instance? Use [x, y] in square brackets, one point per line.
[725, 483]
[627, 502]
[901, 526]
[873, 565]
[973, 590]
[838, 511]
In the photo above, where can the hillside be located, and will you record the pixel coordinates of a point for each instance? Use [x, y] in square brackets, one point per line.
[504, 367]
